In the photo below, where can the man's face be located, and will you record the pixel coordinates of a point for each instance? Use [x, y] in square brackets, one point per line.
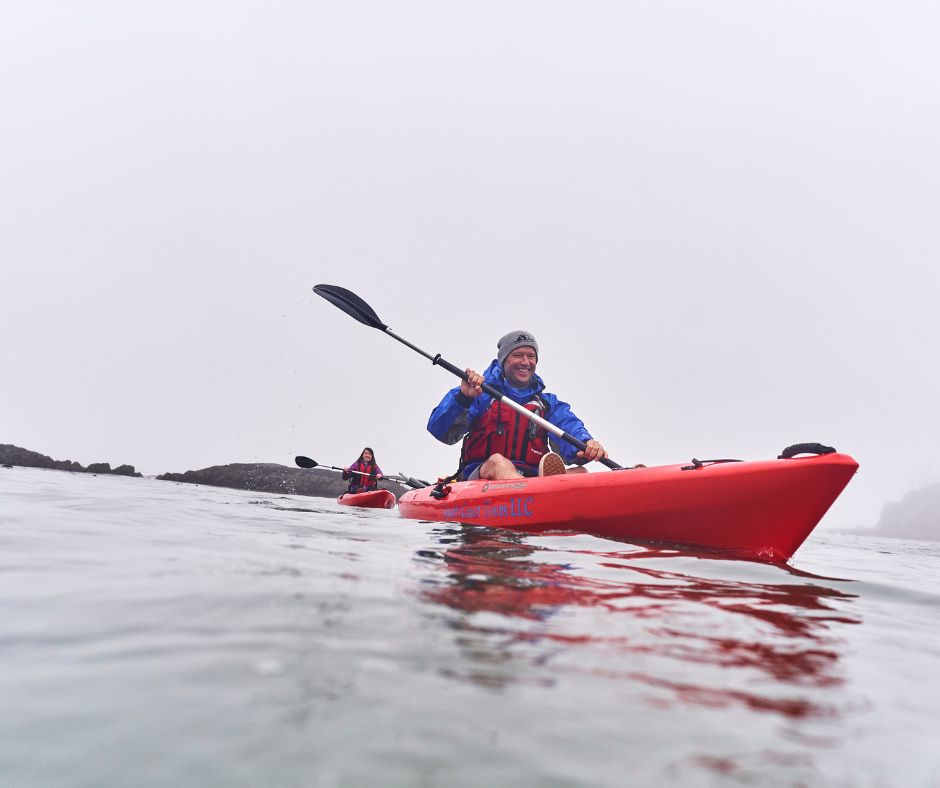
[519, 366]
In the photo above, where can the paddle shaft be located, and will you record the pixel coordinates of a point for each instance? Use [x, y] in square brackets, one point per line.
[346, 470]
[497, 395]
[385, 476]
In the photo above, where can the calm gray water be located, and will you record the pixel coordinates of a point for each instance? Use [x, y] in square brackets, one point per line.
[157, 634]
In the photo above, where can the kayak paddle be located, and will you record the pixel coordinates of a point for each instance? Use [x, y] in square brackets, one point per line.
[306, 462]
[358, 309]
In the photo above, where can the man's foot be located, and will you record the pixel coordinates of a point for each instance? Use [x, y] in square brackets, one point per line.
[551, 464]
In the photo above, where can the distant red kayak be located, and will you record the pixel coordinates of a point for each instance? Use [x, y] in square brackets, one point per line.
[374, 499]
[760, 510]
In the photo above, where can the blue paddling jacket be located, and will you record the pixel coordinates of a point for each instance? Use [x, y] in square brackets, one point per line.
[451, 420]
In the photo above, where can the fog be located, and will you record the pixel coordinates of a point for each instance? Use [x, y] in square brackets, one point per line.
[719, 220]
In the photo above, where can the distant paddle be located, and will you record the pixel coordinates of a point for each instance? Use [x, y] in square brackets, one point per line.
[306, 462]
[358, 309]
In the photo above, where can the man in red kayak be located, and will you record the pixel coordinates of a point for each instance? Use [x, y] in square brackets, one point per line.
[364, 465]
[498, 442]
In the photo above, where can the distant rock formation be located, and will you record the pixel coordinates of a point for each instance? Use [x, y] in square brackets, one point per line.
[14, 455]
[915, 516]
[255, 476]
[272, 478]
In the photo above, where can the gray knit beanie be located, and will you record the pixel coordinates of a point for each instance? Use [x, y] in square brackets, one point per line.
[511, 341]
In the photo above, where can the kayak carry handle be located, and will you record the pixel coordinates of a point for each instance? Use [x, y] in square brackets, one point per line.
[804, 448]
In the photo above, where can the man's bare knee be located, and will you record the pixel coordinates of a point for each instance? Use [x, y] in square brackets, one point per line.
[498, 467]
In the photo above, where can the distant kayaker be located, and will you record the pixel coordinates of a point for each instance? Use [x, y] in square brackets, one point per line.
[498, 442]
[364, 465]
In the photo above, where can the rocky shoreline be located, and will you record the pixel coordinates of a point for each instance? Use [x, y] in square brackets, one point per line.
[256, 476]
[14, 455]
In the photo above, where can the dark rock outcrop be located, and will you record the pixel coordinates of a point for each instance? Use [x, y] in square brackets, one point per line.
[125, 470]
[915, 516]
[272, 478]
[14, 455]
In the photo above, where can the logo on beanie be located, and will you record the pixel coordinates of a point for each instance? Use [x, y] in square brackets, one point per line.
[523, 338]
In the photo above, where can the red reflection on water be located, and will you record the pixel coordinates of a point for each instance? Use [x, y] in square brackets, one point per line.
[704, 696]
[779, 630]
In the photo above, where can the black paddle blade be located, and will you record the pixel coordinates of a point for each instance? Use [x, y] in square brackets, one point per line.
[351, 304]
[305, 462]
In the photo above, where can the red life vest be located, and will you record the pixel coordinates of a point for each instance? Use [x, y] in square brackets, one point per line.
[359, 483]
[501, 430]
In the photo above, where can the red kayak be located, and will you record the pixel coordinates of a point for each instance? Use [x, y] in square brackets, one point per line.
[757, 510]
[374, 499]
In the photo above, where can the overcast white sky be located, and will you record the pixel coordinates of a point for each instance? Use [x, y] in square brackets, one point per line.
[719, 219]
